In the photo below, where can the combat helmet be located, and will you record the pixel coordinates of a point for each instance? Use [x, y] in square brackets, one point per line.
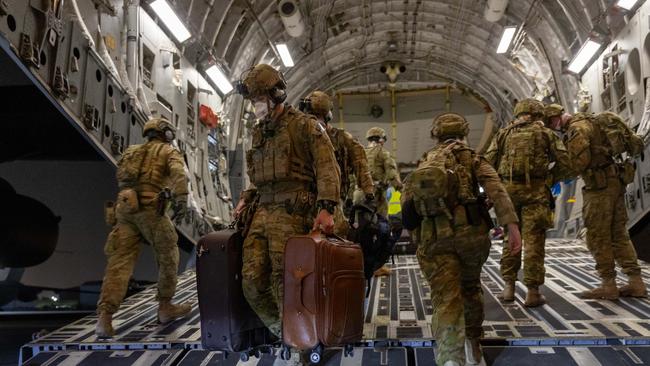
[319, 104]
[261, 80]
[449, 125]
[376, 132]
[159, 126]
[553, 110]
[529, 106]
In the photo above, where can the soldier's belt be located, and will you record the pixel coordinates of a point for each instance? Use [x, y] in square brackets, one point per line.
[287, 197]
[522, 179]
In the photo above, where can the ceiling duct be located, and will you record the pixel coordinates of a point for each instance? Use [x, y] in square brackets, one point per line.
[495, 9]
[291, 17]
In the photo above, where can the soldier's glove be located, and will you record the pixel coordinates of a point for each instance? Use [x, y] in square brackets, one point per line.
[180, 209]
[399, 186]
[370, 197]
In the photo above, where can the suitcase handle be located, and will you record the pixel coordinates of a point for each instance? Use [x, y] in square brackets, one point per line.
[317, 234]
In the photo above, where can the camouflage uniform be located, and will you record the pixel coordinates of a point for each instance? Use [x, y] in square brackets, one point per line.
[604, 209]
[291, 166]
[383, 171]
[452, 265]
[350, 156]
[353, 164]
[162, 166]
[529, 192]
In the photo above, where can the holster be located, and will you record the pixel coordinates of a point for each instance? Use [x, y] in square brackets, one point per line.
[626, 171]
[246, 219]
[128, 200]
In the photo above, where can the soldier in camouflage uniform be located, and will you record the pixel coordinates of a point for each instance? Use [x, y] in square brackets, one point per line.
[295, 178]
[603, 207]
[383, 170]
[384, 173]
[554, 117]
[455, 245]
[140, 219]
[349, 154]
[522, 153]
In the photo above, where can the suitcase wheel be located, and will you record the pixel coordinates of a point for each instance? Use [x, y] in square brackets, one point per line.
[285, 353]
[348, 351]
[316, 353]
[244, 356]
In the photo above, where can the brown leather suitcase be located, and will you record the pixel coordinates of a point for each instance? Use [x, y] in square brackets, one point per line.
[227, 321]
[323, 292]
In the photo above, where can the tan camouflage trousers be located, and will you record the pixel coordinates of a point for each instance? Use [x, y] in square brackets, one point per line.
[453, 269]
[608, 240]
[263, 260]
[123, 247]
[532, 205]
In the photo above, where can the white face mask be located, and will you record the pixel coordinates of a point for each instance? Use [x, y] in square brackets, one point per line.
[261, 109]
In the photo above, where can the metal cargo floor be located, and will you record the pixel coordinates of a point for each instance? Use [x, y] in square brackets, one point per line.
[566, 331]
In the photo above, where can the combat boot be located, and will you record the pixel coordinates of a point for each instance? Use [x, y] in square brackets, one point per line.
[383, 271]
[606, 291]
[534, 298]
[104, 328]
[473, 353]
[508, 294]
[168, 311]
[634, 288]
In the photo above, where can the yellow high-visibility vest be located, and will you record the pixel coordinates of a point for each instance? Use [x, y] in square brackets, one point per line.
[394, 205]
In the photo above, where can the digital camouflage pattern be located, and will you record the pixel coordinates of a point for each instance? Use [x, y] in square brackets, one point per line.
[603, 209]
[162, 166]
[452, 265]
[291, 165]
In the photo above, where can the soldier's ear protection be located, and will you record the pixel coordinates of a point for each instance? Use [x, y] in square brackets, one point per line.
[242, 89]
[305, 105]
[278, 92]
[328, 116]
[169, 135]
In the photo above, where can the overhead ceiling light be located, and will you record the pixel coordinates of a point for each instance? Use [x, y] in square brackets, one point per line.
[171, 20]
[583, 57]
[219, 78]
[284, 54]
[506, 39]
[626, 4]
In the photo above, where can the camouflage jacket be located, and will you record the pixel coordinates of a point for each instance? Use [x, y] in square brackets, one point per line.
[292, 153]
[162, 166]
[352, 160]
[383, 168]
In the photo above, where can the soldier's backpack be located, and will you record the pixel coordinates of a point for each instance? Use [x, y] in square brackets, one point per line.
[522, 153]
[613, 138]
[437, 183]
[617, 137]
[130, 165]
[373, 233]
